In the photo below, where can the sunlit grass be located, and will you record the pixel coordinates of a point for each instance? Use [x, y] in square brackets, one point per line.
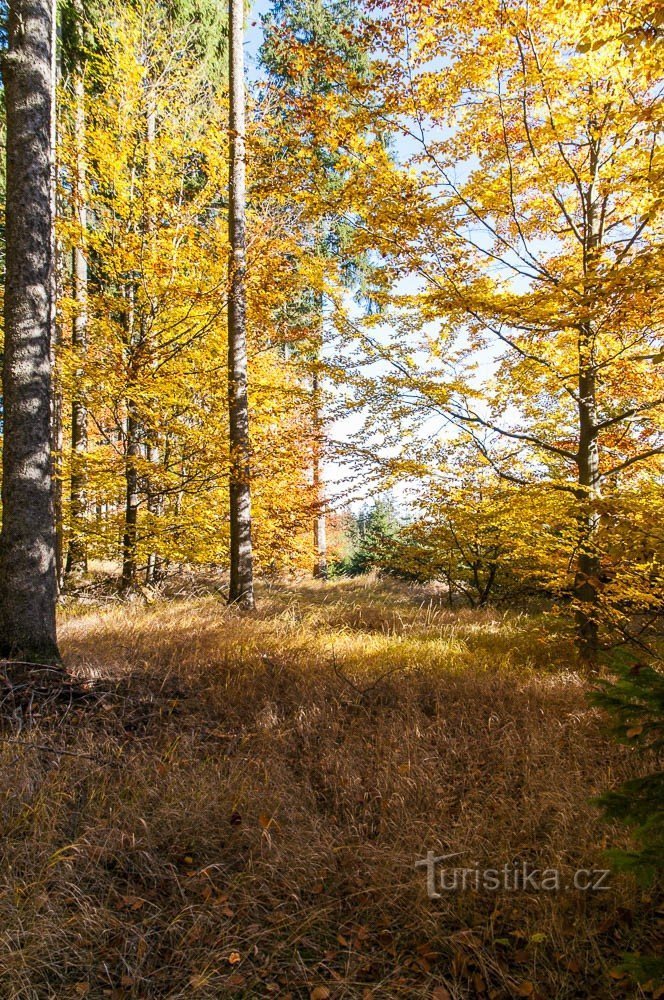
[261, 787]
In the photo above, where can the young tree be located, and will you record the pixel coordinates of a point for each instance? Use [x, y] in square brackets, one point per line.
[28, 581]
[241, 554]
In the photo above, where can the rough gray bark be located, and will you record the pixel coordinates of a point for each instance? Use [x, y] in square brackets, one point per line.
[241, 552]
[77, 560]
[28, 580]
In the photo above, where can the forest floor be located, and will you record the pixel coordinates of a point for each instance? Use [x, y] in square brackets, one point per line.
[243, 799]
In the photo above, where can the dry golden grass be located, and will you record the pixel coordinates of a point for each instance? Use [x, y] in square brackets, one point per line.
[257, 789]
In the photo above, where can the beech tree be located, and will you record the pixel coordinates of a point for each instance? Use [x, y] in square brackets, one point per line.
[157, 198]
[532, 178]
[28, 580]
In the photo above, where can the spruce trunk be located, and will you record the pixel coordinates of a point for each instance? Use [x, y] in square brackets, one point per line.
[28, 579]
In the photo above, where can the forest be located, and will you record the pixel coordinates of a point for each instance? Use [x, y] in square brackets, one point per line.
[332, 493]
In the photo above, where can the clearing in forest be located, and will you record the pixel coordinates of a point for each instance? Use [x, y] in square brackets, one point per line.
[244, 799]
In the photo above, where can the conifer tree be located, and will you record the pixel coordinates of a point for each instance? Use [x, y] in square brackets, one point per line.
[635, 702]
[321, 28]
[28, 580]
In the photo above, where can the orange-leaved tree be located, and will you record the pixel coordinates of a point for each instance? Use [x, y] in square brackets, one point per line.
[527, 209]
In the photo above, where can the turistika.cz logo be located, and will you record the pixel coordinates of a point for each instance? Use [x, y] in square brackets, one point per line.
[512, 877]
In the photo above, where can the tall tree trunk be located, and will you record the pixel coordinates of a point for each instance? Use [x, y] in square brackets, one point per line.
[28, 580]
[241, 554]
[133, 453]
[153, 569]
[586, 583]
[320, 517]
[77, 559]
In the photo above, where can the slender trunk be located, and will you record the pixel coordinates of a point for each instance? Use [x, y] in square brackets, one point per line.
[77, 560]
[132, 455]
[154, 504]
[129, 539]
[320, 517]
[488, 586]
[241, 552]
[28, 580]
[320, 524]
[154, 569]
[586, 583]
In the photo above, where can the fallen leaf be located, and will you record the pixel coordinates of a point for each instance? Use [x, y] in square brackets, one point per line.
[320, 993]
[525, 989]
[131, 903]
[267, 821]
[441, 993]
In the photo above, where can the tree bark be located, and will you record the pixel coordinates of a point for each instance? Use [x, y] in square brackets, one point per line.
[154, 567]
[133, 453]
[57, 445]
[28, 580]
[320, 525]
[241, 552]
[132, 500]
[320, 517]
[77, 559]
[586, 582]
